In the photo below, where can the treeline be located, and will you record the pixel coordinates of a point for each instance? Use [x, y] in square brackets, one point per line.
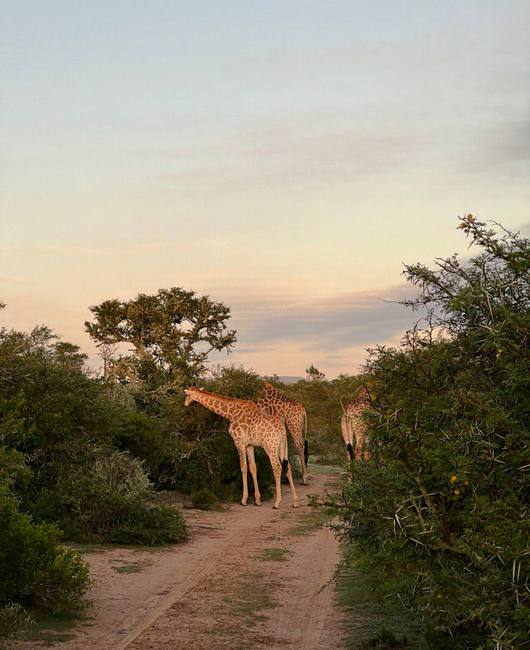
[438, 517]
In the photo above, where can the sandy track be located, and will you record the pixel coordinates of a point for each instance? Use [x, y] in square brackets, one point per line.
[248, 577]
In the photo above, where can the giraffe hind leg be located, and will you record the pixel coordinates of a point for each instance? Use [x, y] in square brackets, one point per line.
[287, 468]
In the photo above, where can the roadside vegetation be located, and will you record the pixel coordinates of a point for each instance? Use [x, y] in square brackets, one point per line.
[438, 517]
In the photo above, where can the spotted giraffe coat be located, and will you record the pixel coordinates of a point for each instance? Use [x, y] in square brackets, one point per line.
[292, 412]
[354, 427]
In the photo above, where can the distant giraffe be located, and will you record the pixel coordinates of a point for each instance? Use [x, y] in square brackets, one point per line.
[251, 427]
[294, 415]
[353, 426]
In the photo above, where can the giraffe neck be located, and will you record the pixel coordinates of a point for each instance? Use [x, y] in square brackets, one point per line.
[227, 408]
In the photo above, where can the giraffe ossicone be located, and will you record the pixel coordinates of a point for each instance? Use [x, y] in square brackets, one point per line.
[250, 427]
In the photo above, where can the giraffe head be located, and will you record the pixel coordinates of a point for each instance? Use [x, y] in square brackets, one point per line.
[268, 387]
[363, 393]
[190, 395]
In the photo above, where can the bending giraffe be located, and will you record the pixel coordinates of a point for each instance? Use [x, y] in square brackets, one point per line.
[354, 427]
[250, 427]
[274, 402]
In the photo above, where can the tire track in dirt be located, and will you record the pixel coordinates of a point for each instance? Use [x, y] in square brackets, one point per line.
[253, 601]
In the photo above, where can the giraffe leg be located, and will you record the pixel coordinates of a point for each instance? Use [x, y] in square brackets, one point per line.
[277, 471]
[295, 426]
[284, 457]
[291, 483]
[366, 452]
[254, 473]
[243, 464]
[359, 443]
[300, 449]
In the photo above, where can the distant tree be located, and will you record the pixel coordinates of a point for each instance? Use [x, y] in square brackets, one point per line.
[314, 374]
[171, 333]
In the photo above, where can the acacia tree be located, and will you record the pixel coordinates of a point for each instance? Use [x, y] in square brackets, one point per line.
[439, 513]
[171, 334]
[314, 374]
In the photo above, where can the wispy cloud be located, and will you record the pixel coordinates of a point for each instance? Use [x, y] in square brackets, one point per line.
[332, 331]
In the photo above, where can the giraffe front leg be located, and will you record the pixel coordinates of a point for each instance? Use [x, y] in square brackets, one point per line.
[243, 464]
[254, 473]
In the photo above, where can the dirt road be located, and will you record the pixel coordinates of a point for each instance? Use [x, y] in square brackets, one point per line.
[247, 578]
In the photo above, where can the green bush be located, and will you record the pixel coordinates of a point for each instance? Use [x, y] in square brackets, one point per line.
[35, 570]
[440, 511]
[150, 525]
[60, 429]
[109, 501]
[204, 499]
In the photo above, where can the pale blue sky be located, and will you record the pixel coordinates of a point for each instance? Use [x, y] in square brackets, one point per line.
[285, 157]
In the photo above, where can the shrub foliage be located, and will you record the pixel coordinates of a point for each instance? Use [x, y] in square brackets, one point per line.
[440, 511]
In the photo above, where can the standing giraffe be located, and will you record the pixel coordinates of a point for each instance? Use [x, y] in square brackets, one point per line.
[250, 427]
[353, 426]
[274, 402]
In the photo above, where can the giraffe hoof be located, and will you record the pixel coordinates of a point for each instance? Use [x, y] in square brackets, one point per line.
[258, 503]
[243, 503]
[276, 507]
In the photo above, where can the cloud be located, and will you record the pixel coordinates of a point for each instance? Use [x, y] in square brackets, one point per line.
[315, 153]
[333, 332]
[498, 147]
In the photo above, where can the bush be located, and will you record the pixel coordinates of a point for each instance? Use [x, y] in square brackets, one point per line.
[204, 499]
[439, 512]
[59, 428]
[150, 525]
[109, 501]
[35, 570]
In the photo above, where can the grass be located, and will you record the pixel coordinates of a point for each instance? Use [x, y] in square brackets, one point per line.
[90, 548]
[276, 554]
[322, 468]
[250, 596]
[50, 629]
[310, 521]
[373, 621]
[129, 567]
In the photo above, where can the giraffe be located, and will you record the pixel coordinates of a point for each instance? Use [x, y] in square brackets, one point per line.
[353, 426]
[250, 427]
[274, 402]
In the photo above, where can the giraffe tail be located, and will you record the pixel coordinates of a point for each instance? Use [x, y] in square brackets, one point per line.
[283, 454]
[350, 450]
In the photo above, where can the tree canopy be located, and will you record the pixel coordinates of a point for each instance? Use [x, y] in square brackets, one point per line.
[171, 334]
